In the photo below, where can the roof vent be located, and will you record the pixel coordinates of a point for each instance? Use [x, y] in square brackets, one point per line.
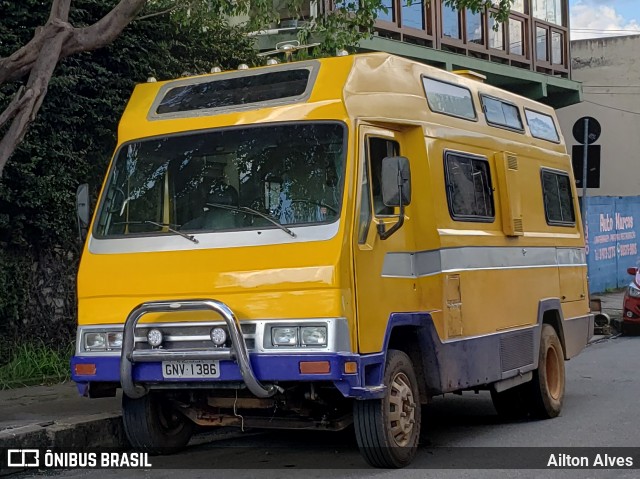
[471, 74]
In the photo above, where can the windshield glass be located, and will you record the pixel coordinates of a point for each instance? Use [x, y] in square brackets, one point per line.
[210, 181]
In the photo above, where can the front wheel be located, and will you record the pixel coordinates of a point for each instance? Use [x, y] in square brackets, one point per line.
[152, 424]
[388, 429]
[548, 380]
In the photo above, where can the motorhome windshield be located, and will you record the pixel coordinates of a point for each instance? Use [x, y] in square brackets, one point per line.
[227, 179]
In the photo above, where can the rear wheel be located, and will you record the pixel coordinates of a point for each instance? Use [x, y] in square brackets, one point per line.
[152, 424]
[388, 429]
[548, 380]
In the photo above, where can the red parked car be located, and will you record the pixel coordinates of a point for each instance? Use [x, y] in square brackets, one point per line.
[631, 304]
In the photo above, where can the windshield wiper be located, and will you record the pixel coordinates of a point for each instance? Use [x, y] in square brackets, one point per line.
[246, 209]
[165, 225]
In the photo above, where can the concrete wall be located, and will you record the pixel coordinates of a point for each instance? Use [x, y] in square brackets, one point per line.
[609, 69]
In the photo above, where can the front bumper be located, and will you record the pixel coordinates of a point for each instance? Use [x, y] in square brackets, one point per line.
[268, 369]
[137, 371]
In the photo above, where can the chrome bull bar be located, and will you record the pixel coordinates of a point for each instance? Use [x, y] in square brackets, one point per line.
[237, 352]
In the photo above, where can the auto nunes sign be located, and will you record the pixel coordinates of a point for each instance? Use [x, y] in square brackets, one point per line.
[48, 459]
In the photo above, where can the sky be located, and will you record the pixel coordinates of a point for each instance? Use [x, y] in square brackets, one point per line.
[604, 18]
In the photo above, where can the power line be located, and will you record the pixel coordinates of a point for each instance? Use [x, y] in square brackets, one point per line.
[612, 107]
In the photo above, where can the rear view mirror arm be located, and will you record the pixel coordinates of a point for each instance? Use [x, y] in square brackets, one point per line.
[381, 226]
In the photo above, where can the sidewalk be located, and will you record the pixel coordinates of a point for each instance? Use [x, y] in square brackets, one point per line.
[54, 416]
[41, 416]
[612, 306]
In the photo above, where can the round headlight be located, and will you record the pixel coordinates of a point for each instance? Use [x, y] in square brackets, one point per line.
[155, 337]
[218, 336]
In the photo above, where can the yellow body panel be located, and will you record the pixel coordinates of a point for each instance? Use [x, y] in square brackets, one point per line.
[375, 95]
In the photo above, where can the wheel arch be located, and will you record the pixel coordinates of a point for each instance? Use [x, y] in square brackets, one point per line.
[550, 312]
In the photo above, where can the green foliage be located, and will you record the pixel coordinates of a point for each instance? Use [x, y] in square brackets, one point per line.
[36, 363]
[71, 142]
[503, 7]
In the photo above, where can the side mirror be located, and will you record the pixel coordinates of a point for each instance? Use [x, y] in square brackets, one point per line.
[396, 189]
[83, 210]
[396, 181]
[632, 271]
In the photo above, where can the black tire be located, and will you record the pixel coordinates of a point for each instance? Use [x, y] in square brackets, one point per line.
[548, 382]
[514, 403]
[385, 437]
[152, 424]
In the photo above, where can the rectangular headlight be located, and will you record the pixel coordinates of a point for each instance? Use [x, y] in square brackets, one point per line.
[314, 335]
[284, 336]
[95, 341]
[634, 292]
[114, 340]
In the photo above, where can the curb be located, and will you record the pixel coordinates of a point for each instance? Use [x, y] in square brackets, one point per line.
[97, 430]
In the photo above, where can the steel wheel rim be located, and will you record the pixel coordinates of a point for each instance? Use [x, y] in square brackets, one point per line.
[553, 373]
[401, 409]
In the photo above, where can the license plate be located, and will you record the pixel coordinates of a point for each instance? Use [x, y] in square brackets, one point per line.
[190, 369]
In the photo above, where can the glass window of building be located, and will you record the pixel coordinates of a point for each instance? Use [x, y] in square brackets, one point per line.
[548, 11]
[389, 15]
[541, 44]
[496, 36]
[556, 48]
[413, 14]
[475, 24]
[451, 22]
[517, 5]
[516, 37]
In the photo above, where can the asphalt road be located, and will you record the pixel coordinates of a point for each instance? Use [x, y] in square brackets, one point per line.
[600, 411]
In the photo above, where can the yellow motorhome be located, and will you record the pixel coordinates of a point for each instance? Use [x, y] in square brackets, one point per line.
[330, 241]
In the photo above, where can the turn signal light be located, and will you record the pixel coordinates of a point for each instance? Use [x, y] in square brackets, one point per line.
[350, 367]
[315, 367]
[85, 369]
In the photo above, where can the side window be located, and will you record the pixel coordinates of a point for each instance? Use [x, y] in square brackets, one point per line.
[377, 149]
[501, 113]
[558, 202]
[469, 191]
[542, 126]
[449, 99]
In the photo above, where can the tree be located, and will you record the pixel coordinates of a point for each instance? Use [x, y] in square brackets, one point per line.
[58, 39]
[71, 142]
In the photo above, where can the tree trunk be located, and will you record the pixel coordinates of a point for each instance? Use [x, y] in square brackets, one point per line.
[54, 41]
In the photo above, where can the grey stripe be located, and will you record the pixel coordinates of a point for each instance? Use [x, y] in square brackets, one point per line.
[426, 263]
[210, 240]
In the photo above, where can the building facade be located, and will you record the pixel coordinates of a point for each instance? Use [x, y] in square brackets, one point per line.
[528, 54]
[609, 71]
